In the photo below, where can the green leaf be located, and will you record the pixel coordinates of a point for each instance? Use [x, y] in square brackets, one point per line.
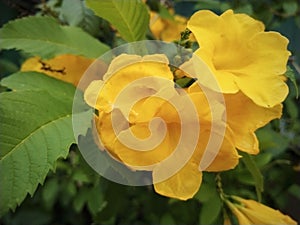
[210, 211]
[271, 141]
[255, 172]
[167, 219]
[36, 130]
[295, 190]
[96, 201]
[72, 11]
[44, 37]
[291, 75]
[185, 82]
[50, 193]
[130, 18]
[290, 7]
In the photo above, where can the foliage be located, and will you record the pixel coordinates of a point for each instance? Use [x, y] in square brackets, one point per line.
[37, 145]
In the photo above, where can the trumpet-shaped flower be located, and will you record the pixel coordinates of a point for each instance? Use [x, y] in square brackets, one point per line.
[249, 212]
[243, 116]
[242, 56]
[147, 123]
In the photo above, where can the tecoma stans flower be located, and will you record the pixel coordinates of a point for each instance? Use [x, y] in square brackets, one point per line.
[242, 56]
[243, 116]
[67, 67]
[250, 212]
[147, 123]
[167, 29]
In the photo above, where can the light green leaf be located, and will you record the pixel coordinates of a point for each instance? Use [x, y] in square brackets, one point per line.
[255, 172]
[72, 11]
[36, 130]
[44, 37]
[290, 7]
[130, 18]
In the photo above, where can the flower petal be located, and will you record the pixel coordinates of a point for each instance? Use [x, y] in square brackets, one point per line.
[226, 157]
[182, 185]
[126, 73]
[148, 149]
[245, 117]
[265, 92]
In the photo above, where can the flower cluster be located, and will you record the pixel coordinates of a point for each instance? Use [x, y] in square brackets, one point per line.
[147, 122]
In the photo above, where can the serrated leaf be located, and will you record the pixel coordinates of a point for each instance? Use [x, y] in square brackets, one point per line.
[75, 13]
[255, 172]
[44, 37]
[36, 130]
[130, 18]
[22, 81]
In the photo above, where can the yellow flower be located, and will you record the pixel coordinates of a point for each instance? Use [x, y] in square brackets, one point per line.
[167, 29]
[244, 117]
[242, 56]
[251, 212]
[148, 124]
[69, 68]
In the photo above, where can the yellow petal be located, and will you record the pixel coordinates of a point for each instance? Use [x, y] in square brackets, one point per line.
[266, 92]
[150, 148]
[226, 157]
[262, 214]
[105, 132]
[167, 29]
[69, 68]
[242, 219]
[245, 117]
[182, 185]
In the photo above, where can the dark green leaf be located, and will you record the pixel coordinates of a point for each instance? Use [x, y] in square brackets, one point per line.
[255, 172]
[295, 190]
[291, 75]
[271, 141]
[185, 82]
[210, 210]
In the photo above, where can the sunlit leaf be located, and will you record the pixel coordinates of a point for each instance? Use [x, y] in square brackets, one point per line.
[44, 37]
[130, 18]
[36, 130]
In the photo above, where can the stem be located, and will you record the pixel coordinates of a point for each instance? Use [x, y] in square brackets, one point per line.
[219, 186]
